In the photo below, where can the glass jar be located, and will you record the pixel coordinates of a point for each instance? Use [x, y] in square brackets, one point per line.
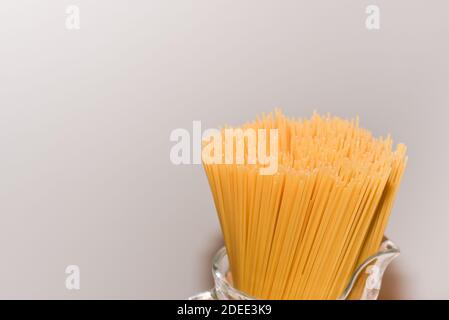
[364, 284]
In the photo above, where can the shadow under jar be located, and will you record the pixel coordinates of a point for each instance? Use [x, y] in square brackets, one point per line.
[364, 283]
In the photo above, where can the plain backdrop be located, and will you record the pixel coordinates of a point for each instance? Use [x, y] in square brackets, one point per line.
[85, 119]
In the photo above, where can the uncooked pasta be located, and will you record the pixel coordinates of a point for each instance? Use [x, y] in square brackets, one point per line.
[300, 231]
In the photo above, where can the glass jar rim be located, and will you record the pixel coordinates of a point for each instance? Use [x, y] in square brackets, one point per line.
[387, 250]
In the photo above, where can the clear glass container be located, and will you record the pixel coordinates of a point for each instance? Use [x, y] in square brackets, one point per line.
[364, 284]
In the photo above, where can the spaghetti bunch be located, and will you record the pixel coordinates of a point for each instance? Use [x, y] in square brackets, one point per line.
[301, 232]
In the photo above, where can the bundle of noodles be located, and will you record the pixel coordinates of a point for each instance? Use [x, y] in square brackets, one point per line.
[299, 232]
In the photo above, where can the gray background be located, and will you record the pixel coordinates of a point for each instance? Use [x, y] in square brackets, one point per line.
[85, 118]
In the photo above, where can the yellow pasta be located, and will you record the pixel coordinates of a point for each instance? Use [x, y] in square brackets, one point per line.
[300, 232]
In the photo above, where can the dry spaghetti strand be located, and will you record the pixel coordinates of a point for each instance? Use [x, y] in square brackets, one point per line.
[301, 232]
